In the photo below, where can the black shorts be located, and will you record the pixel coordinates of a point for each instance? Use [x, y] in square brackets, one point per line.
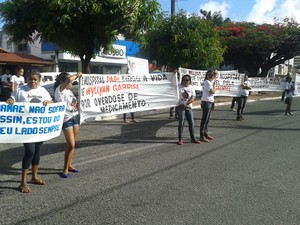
[288, 100]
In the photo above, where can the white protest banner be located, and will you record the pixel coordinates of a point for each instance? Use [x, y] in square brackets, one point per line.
[267, 83]
[297, 84]
[30, 122]
[227, 82]
[103, 95]
[137, 66]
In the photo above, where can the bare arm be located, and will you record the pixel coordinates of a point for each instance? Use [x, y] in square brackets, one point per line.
[69, 80]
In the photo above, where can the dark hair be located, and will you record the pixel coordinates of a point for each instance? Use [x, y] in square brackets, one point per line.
[60, 78]
[186, 76]
[19, 68]
[35, 72]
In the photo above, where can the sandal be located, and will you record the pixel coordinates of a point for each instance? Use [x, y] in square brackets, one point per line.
[24, 189]
[38, 182]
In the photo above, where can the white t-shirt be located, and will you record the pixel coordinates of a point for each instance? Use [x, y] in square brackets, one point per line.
[185, 93]
[26, 94]
[206, 95]
[17, 81]
[289, 86]
[245, 92]
[4, 77]
[71, 102]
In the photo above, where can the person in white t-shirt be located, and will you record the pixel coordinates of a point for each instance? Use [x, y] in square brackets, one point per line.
[17, 80]
[187, 96]
[70, 127]
[33, 93]
[6, 76]
[242, 99]
[207, 101]
[289, 90]
[5, 85]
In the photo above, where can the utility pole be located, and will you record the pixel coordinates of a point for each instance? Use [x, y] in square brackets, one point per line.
[172, 7]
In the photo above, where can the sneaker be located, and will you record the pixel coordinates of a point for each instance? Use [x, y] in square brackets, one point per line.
[204, 139]
[196, 141]
[242, 118]
[239, 119]
[125, 121]
[291, 114]
[170, 117]
[180, 143]
[233, 109]
[134, 121]
[209, 137]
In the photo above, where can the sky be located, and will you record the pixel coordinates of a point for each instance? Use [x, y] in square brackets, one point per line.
[258, 11]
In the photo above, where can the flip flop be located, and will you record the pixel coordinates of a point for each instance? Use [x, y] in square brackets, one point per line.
[24, 189]
[38, 182]
[74, 170]
[64, 175]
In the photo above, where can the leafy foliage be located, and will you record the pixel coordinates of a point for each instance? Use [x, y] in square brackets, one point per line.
[80, 27]
[184, 41]
[251, 46]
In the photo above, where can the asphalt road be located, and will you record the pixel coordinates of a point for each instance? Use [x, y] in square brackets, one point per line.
[136, 174]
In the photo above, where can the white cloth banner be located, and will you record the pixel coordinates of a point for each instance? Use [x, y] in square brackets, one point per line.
[30, 122]
[227, 82]
[103, 95]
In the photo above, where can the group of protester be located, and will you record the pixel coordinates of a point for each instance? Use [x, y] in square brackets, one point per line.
[184, 110]
[187, 96]
[32, 92]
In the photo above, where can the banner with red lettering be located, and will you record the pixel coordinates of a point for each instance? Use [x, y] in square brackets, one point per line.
[103, 95]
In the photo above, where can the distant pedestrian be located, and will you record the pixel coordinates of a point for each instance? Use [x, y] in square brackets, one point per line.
[289, 89]
[242, 99]
[283, 93]
[17, 80]
[132, 118]
[6, 85]
[207, 102]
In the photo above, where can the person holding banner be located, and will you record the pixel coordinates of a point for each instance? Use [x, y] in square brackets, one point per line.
[289, 89]
[207, 101]
[187, 95]
[62, 85]
[32, 93]
[242, 99]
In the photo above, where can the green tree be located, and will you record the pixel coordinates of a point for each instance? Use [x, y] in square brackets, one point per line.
[80, 27]
[181, 40]
[215, 17]
[251, 46]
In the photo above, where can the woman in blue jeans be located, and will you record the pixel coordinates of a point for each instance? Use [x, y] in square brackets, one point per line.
[187, 95]
[207, 101]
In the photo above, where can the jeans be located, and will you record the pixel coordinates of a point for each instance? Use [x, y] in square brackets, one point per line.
[188, 114]
[234, 99]
[74, 121]
[241, 105]
[206, 111]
